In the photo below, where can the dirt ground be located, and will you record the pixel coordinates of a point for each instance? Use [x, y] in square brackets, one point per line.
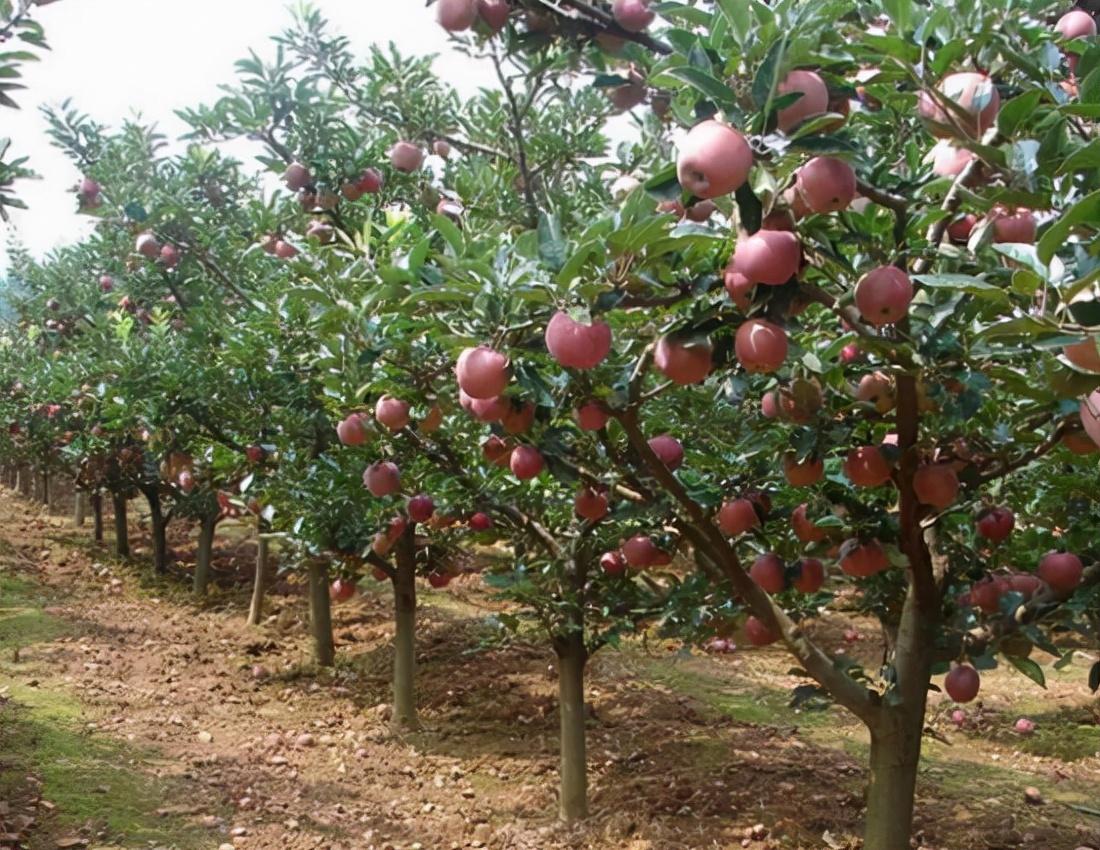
[132, 718]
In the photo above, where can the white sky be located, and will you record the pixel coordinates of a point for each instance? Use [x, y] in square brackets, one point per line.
[116, 58]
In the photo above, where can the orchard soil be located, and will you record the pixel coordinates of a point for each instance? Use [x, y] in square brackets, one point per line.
[132, 717]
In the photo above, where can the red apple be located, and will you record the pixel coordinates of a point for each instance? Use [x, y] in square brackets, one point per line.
[1061, 570]
[826, 184]
[668, 450]
[382, 478]
[714, 160]
[439, 580]
[146, 244]
[737, 516]
[936, 484]
[575, 344]
[758, 633]
[494, 13]
[456, 15]
[496, 451]
[996, 524]
[811, 576]
[518, 417]
[1017, 226]
[804, 528]
[392, 412]
[985, 595]
[948, 160]
[639, 551]
[613, 563]
[973, 93]
[683, 362]
[284, 250]
[352, 430]
[371, 182]
[739, 288]
[803, 473]
[480, 522]
[1090, 415]
[962, 683]
[297, 177]
[341, 590]
[170, 256]
[591, 416]
[255, 454]
[590, 504]
[861, 559]
[632, 15]
[770, 257]
[814, 99]
[760, 346]
[1085, 354]
[769, 572]
[526, 462]
[960, 229]
[406, 157]
[883, 295]
[865, 466]
[420, 508]
[482, 372]
[1076, 23]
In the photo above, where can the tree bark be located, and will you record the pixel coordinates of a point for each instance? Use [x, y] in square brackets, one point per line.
[122, 535]
[404, 639]
[45, 488]
[572, 658]
[18, 479]
[97, 514]
[895, 756]
[160, 531]
[79, 501]
[320, 613]
[260, 581]
[204, 554]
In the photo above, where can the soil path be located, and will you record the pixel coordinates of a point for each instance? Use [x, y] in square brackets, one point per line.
[129, 717]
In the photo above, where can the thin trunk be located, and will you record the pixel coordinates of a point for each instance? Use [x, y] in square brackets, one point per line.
[79, 501]
[204, 554]
[45, 488]
[895, 755]
[122, 537]
[18, 480]
[160, 531]
[320, 613]
[259, 581]
[97, 514]
[572, 658]
[404, 638]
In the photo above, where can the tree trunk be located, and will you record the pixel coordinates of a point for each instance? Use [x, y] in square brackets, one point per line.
[122, 536]
[572, 658]
[97, 514]
[160, 531]
[78, 508]
[259, 582]
[895, 755]
[205, 553]
[19, 479]
[404, 638]
[45, 488]
[320, 613]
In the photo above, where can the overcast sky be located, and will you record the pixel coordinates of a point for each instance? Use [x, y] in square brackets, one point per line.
[117, 58]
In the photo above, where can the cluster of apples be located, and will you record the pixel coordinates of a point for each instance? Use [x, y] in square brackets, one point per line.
[148, 246]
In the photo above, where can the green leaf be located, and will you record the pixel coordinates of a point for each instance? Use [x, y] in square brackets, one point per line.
[963, 283]
[552, 248]
[701, 81]
[899, 12]
[1030, 669]
[450, 233]
[1017, 110]
[767, 76]
[738, 14]
[749, 208]
[1086, 211]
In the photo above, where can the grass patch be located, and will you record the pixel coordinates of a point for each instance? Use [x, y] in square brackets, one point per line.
[89, 780]
[22, 621]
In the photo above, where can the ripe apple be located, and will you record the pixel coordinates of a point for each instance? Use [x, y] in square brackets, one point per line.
[632, 15]
[985, 595]
[960, 229]
[575, 344]
[877, 388]
[297, 177]
[590, 504]
[371, 182]
[186, 481]
[382, 478]
[496, 451]
[948, 160]
[714, 159]
[456, 15]
[758, 633]
[668, 450]
[106, 283]
[1076, 23]
[392, 412]
[406, 157]
[883, 295]
[169, 256]
[811, 576]
[769, 572]
[962, 683]
[518, 417]
[936, 484]
[700, 212]
[526, 462]
[760, 345]
[1061, 570]
[803, 473]
[284, 250]
[1090, 415]
[1025, 583]
[770, 257]
[482, 372]
[803, 527]
[255, 454]
[683, 362]
[866, 466]
[432, 420]
[1017, 226]
[591, 416]
[352, 430]
[1085, 354]
[494, 13]
[439, 580]
[739, 288]
[341, 590]
[627, 96]
[320, 232]
[146, 244]
[973, 93]
[639, 551]
[769, 405]
[996, 524]
[420, 508]
[814, 99]
[826, 184]
[480, 522]
[613, 563]
[860, 559]
[737, 516]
